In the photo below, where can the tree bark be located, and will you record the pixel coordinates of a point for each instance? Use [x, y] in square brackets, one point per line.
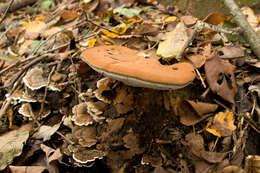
[240, 19]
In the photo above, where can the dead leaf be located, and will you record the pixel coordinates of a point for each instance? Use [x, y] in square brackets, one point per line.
[160, 170]
[223, 124]
[220, 77]
[212, 157]
[68, 15]
[215, 18]
[45, 132]
[11, 144]
[51, 156]
[197, 60]
[170, 19]
[231, 52]
[195, 141]
[27, 169]
[175, 40]
[193, 112]
[189, 20]
[117, 31]
[33, 29]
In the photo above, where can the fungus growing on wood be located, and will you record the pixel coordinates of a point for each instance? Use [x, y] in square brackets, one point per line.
[126, 65]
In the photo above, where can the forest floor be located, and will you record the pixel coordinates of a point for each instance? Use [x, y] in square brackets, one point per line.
[59, 113]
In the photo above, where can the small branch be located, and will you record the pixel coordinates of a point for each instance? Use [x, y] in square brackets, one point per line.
[5, 107]
[200, 25]
[6, 11]
[17, 4]
[240, 19]
[24, 69]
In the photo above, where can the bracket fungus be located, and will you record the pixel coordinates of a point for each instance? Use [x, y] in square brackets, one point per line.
[124, 64]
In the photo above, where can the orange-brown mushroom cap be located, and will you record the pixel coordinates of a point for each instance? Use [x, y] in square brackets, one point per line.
[126, 65]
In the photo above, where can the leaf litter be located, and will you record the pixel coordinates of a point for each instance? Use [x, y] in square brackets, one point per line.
[85, 121]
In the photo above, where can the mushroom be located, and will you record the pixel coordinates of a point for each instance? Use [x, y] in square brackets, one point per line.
[84, 155]
[128, 66]
[34, 79]
[86, 136]
[25, 111]
[81, 116]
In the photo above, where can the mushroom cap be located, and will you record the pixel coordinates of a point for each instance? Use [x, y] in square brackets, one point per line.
[126, 65]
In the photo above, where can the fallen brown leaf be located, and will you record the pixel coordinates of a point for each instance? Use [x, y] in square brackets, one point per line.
[220, 77]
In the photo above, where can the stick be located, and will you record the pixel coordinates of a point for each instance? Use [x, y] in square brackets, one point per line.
[16, 5]
[240, 19]
[6, 11]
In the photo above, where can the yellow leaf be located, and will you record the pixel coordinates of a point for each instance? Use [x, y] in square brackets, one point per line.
[223, 124]
[134, 19]
[170, 19]
[92, 42]
[34, 28]
[39, 18]
[214, 132]
[115, 31]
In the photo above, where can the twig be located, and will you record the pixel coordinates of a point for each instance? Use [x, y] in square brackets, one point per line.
[6, 11]
[5, 107]
[187, 43]
[203, 25]
[46, 90]
[240, 19]
[18, 62]
[64, 137]
[26, 67]
[16, 5]
[219, 103]
[200, 77]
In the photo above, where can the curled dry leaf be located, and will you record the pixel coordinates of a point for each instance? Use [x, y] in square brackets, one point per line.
[193, 112]
[223, 124]
[220, 77]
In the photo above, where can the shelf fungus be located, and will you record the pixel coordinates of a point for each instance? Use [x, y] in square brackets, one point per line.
[87, 156]
[34, 79]
[126, 65]
[28, 111]
[87, 113]
[86, 136]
